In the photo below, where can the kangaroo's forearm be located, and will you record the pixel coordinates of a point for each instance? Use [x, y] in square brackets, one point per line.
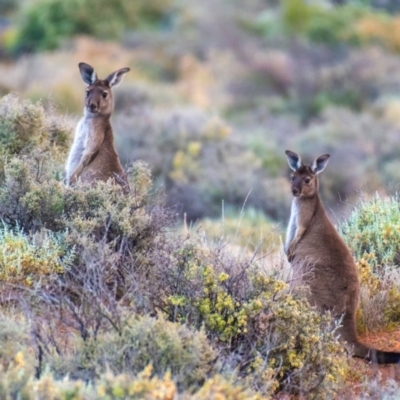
[292, 245]
[290, 235]
[86, 159]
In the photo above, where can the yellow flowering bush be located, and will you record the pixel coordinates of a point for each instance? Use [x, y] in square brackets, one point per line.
[23, 259]
[143, 386]
[277, 339]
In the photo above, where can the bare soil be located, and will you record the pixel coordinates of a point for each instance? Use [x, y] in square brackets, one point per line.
[366, 380]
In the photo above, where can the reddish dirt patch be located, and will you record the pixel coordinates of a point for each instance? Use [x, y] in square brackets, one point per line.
[387, 342]
[383, 341]
[378, 375]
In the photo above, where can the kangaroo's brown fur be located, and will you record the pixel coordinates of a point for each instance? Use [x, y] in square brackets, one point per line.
[93, 156]
[320, 258]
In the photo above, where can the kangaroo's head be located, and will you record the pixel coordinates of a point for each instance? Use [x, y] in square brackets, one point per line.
[99, 97]
[304, 179]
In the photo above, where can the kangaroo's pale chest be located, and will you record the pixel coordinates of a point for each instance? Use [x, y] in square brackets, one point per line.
[293, 225]
[83, 133]
[85, 130]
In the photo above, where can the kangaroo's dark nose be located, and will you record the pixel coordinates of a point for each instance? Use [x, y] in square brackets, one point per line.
[295, 191]
[92, 107]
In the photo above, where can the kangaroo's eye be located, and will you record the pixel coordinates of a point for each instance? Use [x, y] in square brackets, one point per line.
[292, 178]
[87, 93]
[104, 94]
[307, 180]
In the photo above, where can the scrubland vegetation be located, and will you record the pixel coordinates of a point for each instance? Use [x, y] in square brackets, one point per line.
[180, 290]
[99, 288]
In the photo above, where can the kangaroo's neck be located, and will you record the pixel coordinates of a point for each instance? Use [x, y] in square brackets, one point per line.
[307, 208]
[94, 123]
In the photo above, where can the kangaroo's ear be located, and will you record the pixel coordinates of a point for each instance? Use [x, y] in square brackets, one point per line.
[320, 163]
[115, 78]
[88, 74]
[294, 160]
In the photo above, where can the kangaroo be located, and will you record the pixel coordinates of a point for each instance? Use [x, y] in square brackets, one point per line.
[92, 156]
[320, 258]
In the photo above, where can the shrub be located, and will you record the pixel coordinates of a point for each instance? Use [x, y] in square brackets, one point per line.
[271, 339]
[267, 334]
[380, 389]
[372, 233]
[142, 341]
[327, 71]
[144, 386]
[17, 358]
[217, 387]
[32, 197]
[25, 126]
[25, 258]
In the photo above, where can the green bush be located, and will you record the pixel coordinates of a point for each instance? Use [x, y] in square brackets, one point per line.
[46, 23]
[372, 233]
[318, 22]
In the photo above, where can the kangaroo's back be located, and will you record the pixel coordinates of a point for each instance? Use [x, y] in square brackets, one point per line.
[320, 258]
[93, 156]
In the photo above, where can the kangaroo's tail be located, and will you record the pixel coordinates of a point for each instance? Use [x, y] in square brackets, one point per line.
[376, 356]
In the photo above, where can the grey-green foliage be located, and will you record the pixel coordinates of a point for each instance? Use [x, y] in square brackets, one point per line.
[33, 198]
[17, 358]
[169, 347]
[25, 125]
[24, 258]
